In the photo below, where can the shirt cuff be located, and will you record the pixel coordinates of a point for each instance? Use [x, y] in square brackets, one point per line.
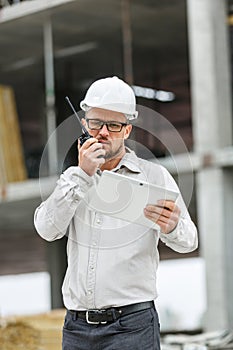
[171, 235]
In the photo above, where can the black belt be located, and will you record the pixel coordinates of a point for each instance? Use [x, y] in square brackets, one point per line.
[112, 314]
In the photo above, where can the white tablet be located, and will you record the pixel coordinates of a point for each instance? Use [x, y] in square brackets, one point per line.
[125, 198]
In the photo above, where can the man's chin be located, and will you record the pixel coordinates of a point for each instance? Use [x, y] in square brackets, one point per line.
[111, 153]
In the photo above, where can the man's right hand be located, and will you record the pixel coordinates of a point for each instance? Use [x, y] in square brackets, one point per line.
[91, 156]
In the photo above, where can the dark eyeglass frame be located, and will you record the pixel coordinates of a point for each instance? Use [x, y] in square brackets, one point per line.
[108, 123]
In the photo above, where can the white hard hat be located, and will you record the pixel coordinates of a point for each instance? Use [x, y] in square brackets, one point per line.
[112, 94]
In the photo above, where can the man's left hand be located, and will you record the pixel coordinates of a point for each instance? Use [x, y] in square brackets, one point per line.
[166, 214]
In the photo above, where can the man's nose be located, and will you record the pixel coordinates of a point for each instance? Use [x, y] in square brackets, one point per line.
[104, 130]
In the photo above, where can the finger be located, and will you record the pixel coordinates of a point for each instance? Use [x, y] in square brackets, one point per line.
[163, 222]
[93, 151]
[160, 219]
[153, 215]
[171, 206]
[88, 143]
[163, 226]
[159, 210]
[167, 204]
[101, 161]
[97, 161]
[96, 146]
[99, 153]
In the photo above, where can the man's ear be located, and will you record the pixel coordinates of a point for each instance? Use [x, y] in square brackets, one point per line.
[83, 121]
[128, 130]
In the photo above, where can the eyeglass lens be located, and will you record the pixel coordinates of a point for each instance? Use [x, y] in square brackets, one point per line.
[95, 124]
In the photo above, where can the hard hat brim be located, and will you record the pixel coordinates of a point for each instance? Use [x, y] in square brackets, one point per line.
[114, 108]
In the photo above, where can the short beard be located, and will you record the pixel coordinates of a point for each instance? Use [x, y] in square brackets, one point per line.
[113, 154]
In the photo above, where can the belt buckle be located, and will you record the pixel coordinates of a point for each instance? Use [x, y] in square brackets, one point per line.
[94, 322]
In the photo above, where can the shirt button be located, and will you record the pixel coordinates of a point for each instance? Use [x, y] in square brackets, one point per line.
[92, 267]
[89, 292]
[94, 244]
[98, 221]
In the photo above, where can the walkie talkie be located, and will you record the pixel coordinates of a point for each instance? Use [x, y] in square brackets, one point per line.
[85, 136]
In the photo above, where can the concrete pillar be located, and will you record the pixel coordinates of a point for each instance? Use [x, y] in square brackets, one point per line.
[127, 41]
[212, 130]
[56, 250]
[50, 97]
[57, 265]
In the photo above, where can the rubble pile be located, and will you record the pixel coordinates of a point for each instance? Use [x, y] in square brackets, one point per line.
[34, 332]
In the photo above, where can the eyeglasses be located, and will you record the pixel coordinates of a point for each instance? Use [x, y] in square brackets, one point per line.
[95, 124]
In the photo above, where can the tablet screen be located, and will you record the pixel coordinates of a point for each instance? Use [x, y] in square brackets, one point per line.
[125, 198]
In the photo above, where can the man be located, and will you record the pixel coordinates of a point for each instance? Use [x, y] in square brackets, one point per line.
[110, 284]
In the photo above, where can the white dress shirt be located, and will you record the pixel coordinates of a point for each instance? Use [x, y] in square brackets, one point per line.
[111, 262]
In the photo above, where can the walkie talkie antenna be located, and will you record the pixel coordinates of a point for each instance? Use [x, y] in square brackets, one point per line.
[76, 114]
[85, 134]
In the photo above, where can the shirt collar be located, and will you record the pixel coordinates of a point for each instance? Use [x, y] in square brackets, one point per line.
[130, 161]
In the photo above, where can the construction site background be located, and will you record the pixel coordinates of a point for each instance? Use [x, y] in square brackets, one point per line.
[177, 55]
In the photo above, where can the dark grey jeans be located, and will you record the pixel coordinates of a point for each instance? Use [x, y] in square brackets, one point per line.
[137, 331]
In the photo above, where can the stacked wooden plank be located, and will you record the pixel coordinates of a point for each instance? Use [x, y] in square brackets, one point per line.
[12, 165]
[36, 332]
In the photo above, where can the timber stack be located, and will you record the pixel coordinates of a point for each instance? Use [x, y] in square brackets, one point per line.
[12, 164]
